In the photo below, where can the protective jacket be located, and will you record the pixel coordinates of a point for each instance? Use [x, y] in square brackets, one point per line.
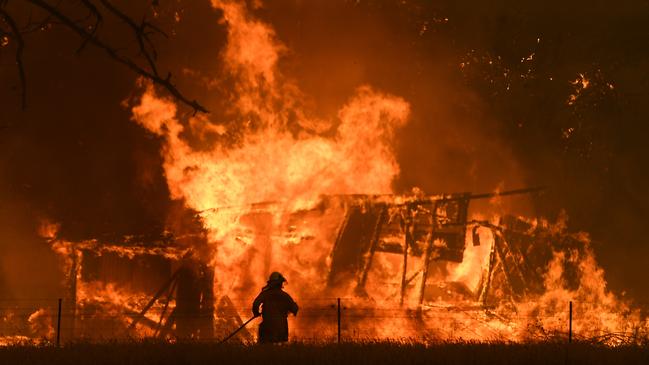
[275, 305]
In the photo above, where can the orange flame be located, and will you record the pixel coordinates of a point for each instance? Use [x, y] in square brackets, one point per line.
[272, 163]
[255, 195]
[289, 171]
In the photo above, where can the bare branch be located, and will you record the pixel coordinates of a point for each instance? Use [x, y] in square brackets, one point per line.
[141, 35]
[20, 46]
[36, 26]
[98, 19]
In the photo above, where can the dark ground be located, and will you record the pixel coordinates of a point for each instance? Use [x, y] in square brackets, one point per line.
[349, 353]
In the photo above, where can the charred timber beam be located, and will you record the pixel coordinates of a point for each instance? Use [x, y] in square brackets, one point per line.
[391, 199]
[373, 247]
[408, 224]
[339, 238]
[408, 281]
[168, 327]
[155, 297]
[536, 189]
[513, 266]
[207, 302]
[132, 248]
[142, 320]
[503, 264]
[484, 293]
[164, 310]
[428, 255]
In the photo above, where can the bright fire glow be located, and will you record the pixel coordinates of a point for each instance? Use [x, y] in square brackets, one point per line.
[249, 193]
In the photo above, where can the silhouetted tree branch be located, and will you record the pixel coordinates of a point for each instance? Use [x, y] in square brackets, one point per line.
[140, 34]
[98, 19]
[16, 36]
[89, 35]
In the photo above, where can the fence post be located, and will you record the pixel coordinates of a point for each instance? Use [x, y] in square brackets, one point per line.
[570, 324]
[58, 325]
[338, 320]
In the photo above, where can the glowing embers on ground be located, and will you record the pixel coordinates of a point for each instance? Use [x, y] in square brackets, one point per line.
[22, 324]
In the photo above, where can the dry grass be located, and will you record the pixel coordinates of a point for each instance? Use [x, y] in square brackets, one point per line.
[374, 353]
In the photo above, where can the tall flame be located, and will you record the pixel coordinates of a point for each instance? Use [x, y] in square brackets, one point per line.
[274, 161]
[285, 159]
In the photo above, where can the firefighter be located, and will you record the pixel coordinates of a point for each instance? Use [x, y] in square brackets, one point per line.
[275, 305]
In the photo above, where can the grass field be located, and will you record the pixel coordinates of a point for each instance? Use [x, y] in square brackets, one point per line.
[373, 353]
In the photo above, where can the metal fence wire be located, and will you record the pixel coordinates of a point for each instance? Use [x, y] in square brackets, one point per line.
[54, 321]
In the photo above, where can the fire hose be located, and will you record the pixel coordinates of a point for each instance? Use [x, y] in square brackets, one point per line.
[238, 329]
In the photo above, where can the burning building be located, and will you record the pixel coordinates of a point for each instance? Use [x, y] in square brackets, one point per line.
[402, 264]
[274, 186]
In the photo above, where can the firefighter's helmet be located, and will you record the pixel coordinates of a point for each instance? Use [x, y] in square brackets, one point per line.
[276, 277]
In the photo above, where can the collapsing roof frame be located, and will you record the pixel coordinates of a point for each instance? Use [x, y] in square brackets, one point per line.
[431, 226]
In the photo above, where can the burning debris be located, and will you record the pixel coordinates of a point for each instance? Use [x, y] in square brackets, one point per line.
[416, 266]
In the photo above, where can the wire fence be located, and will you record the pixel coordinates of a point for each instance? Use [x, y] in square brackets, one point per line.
[320, 319]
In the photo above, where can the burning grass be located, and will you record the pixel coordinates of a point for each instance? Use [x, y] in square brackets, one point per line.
[366, 352]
